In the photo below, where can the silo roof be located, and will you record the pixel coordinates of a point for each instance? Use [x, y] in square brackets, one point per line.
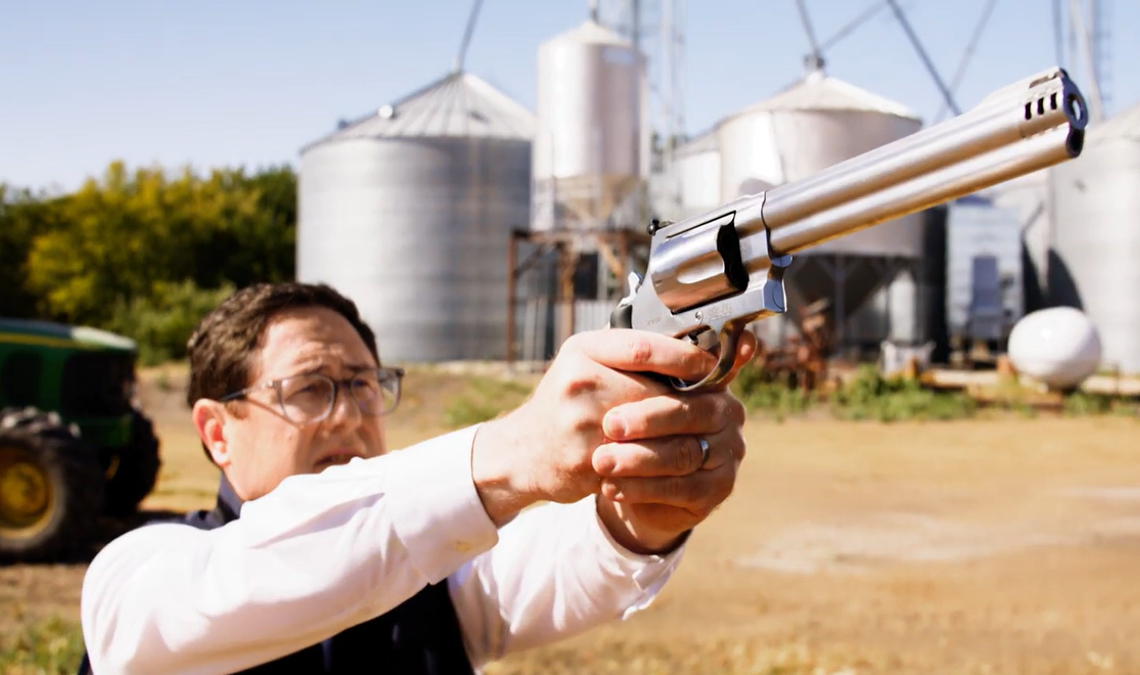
[704, 142]
[458, 105]
[592, 32]
[817, 91]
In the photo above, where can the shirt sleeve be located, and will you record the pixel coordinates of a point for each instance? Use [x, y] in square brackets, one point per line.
[319, 554]
[555, 573]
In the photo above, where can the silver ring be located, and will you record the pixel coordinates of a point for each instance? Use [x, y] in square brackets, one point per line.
[704, 451]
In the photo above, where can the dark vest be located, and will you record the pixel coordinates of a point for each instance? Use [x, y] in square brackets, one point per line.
[419, 637]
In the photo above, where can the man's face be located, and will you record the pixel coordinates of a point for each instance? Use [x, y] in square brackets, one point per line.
[255, 444]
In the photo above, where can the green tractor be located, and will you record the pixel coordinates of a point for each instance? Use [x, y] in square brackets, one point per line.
[73, 445]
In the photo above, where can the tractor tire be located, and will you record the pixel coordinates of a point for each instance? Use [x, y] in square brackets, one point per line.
[51, 487]
[136, 469]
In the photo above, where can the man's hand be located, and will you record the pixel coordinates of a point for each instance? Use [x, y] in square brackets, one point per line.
[654, 487]
[543, 451]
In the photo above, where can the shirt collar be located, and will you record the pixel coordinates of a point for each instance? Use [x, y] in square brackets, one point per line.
[229, 503]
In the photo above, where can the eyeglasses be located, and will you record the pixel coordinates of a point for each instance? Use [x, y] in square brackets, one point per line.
[311, 397]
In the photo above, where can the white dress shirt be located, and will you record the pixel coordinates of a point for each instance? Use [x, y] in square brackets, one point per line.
[324, 552]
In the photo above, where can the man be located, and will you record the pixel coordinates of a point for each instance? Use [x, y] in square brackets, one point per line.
[328, 554]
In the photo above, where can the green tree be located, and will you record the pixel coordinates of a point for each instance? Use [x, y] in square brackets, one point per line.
[145, 252]
[257, 245]
[22, 217]
[119, 238]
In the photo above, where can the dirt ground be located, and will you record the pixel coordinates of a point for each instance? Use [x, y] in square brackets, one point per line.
[989, 546]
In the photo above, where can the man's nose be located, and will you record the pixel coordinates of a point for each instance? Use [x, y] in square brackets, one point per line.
[346, 411]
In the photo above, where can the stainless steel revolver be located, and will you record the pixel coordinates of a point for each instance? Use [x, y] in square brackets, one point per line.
[711, 275]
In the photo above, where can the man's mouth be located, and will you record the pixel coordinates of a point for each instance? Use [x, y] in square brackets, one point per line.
[335, 457]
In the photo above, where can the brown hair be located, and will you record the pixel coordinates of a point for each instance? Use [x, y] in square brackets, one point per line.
[221, 347]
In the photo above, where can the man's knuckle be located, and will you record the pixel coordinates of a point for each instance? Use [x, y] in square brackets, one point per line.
[676, 489]
[736, 410]
[573, 343]
[682, 410]
[710, 407]
[687, 454]
[726, 487]
[582, 382]
[640, 351]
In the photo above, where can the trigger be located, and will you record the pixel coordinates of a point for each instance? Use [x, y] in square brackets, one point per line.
[706, 340]
[725, 350]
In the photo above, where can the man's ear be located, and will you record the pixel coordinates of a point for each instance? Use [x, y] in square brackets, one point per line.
[210, 419]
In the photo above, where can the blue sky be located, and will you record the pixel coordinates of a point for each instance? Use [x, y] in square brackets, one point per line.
[226, 83]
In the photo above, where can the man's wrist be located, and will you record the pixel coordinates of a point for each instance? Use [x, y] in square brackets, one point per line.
[497, 476]
[640, 541]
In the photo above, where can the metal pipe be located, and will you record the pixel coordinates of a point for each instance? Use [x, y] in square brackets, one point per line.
[971, 46]
[1084, 41]
[917, 44]
[459, 60]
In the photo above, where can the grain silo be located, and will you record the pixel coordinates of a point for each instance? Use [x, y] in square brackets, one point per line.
[590, 176]
[1096, 240]
[591, 142]
[697, 164]
[817, 122]
[408, 212]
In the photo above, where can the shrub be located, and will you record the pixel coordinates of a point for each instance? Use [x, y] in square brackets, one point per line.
[867, 396]
[162, 322]
[871, 396]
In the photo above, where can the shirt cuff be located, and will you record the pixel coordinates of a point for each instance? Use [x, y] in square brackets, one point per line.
[455, 528]
[648, 572]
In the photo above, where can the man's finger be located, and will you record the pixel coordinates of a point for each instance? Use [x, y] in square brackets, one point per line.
[638, 351]
[675, 415]
[675, 456]
[698, 493]
[746, 350]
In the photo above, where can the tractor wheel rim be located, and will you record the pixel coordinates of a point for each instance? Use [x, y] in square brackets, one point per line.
[25, 490]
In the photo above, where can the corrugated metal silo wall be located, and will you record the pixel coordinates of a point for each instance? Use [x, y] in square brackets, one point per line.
[1095, 262]
[416, 231]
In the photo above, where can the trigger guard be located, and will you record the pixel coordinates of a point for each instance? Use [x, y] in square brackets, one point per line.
[729, 338]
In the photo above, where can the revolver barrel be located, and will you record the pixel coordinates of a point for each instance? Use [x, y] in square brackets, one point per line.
[928, 190]
[1012, 114]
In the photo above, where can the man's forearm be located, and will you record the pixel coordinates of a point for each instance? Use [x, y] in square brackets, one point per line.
[555, 573]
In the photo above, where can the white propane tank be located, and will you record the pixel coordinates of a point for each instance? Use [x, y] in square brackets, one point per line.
[1058, 346]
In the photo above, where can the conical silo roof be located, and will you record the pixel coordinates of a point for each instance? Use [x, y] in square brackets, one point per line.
[591, 32]
[458, 105]
[705, 141]
[817, 91]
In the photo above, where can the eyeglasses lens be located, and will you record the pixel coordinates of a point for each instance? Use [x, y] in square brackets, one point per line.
[312, 397]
